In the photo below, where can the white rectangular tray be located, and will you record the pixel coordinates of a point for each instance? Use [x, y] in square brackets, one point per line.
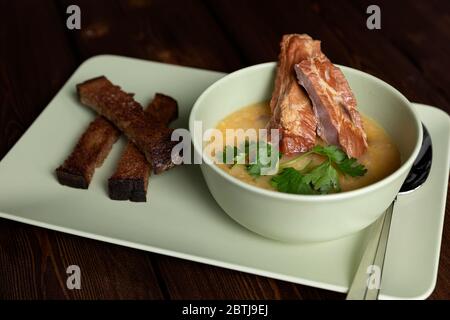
[182, 220]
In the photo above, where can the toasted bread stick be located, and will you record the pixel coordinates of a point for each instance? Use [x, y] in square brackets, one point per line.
[130, 180]
[150, 137]
[89, 153]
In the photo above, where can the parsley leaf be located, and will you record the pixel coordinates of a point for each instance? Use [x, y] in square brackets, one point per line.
[346, 165]
[250, 154]
[229, 154]
[334, 153]
[351, 167]
[254, 169]
[292, 181]
[256, 150]
[322, 179]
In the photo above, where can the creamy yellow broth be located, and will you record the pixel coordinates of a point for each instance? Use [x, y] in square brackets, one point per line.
[381, 159]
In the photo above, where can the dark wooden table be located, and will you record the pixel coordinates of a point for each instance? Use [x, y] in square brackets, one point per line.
[38, 54]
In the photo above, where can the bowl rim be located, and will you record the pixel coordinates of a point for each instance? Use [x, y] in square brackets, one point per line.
[298, 197]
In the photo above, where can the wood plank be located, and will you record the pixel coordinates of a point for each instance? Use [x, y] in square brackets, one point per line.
[28, 53]
[189, 280]
[35, 60]
[424, 37]
[34, 263]
[182, 34]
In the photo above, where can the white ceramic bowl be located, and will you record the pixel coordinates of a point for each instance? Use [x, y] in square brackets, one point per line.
[295, 218]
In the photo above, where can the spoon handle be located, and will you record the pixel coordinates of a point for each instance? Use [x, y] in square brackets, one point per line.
[366, 284]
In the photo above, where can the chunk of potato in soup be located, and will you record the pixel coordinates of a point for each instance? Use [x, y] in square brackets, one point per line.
[381, 159]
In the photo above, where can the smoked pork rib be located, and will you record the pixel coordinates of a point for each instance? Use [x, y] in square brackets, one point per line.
[89, 153]
[130, 180]
[291, 108]
[339, 122]
[119, 107]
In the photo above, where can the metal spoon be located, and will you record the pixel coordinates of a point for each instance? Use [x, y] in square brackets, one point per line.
[364, 287]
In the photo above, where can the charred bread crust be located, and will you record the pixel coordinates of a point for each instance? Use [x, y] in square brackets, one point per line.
[130, 180]
[73, 180]
[89, 153]
[119, 189]
[127, 189]
[131, 175]
[138, 196]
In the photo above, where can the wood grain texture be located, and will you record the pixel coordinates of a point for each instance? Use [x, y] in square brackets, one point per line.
[37, 54]
[424, 40]
[183, 33]
[34, 263]
[32, 43]
[189, 280]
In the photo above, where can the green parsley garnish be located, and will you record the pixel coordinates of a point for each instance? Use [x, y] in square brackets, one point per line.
[322, 179]
[248, 154]
[291, 181]
[348, 166]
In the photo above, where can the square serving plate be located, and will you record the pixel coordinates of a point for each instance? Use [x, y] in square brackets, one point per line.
[181, 218]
